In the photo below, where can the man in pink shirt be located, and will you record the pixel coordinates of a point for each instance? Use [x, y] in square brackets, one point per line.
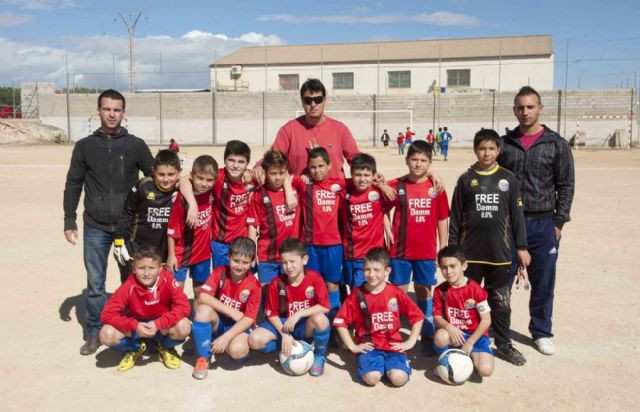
[313, 129]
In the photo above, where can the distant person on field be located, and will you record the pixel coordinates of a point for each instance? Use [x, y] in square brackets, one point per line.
[400, 142]
[431, 141]
[445, 138]
[174, 146]
[542, 162]
[439, 141]
[408, 136]
[106, 165]
[385, 140]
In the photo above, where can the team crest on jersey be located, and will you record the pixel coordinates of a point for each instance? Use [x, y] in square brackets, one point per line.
[520, 203]
[335, 188]
[373, 196]
[174, 195]
[244, 295]
[433, 193]
[266, 199]
[393, 305]
[310, 293]
[175, 283]
[503, 185]
[151, 196]
[225, 185]
[401, 192]
[474, 182]
[469, 304]
[211, 198]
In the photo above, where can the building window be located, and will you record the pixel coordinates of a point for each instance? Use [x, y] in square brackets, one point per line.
[459, 78]
[343, 80]
[289, 81]
[400, 79]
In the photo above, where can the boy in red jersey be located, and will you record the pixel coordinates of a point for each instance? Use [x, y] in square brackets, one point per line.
[296, 308]
[374, 310]
[227, 308]
[363, 218]
[461, 312]
[419, 227]
[149, 305]
[145, 215]
[270, 220]
[189, 247]
[320, 200]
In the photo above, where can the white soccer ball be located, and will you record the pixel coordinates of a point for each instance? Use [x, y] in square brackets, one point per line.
[300, 360]
[454, 366]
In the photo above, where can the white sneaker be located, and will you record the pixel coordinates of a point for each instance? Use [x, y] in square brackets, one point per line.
[545, 346]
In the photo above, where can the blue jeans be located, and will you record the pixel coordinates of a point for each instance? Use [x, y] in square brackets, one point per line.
[96, 247]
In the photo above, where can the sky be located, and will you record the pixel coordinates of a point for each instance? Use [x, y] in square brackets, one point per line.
[175, 42]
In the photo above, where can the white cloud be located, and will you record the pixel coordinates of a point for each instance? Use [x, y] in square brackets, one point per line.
[40, 4]
[185, 59]
[8, 19]
[360, 16]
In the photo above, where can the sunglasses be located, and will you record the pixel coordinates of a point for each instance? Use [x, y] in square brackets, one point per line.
[316, 99]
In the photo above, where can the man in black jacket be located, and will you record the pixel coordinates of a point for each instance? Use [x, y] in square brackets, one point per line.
[106, 164]
[542, 161]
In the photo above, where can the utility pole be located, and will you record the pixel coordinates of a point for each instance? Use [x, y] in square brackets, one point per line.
[566, 83]
[130, 30]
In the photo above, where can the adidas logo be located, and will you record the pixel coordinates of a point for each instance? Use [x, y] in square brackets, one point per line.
[553, 251]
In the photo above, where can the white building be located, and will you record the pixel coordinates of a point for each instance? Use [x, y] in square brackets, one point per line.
[394, 67]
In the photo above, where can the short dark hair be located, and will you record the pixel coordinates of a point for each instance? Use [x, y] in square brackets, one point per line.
[274, 158]
[166, 157]
[452, 252]
[147, 251]
[313, 85]
[237, 147]
[243, 246]
[293, 245]
[419, 146]
[205, 164]
[363, 161]
[484, 135]
[526, 91]
[439, 129]
[378, 255]
[318, 152]
[113, 95]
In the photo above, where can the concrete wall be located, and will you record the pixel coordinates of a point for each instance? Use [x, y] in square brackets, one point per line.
[371, 78]
[207, 118]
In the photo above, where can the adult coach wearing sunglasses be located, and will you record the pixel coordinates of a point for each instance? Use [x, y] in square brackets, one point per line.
[312, 130]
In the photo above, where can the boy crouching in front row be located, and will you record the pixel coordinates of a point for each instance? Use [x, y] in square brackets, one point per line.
[148, 305]
[461, 312]
[374, 309]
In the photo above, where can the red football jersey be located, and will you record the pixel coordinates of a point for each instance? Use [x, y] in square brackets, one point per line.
[268, 213]
[310, 292]
[362, 216]
[243, 296]
[231, 209]
[320, 202]
[165, 303]
[464, 305]
[192, 246]
[418, 209]
[385, 309]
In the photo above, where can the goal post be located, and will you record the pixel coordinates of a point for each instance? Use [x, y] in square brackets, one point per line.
[368, 124]
[603, 132]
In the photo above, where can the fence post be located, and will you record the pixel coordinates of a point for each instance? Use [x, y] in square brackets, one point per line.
[375, 119]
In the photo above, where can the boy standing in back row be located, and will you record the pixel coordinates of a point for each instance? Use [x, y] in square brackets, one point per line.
[486, 213]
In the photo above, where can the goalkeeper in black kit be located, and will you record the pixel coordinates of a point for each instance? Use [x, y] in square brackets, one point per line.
[145, 216]
[487, 215]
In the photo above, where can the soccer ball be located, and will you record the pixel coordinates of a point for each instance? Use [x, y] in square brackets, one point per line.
[300, 360]
[454, 366]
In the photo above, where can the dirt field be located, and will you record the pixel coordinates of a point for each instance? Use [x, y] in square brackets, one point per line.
[596, 315]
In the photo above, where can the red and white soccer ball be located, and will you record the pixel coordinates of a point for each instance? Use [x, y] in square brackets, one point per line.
[300, 360]
[454, 366]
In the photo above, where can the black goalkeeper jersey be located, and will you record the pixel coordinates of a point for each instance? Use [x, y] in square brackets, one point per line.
[486, 211]
[145, 216]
